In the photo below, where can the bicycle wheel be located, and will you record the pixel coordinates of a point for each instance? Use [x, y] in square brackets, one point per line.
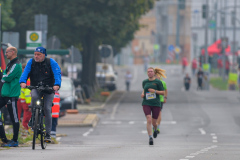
[43, 134]
[35, 129]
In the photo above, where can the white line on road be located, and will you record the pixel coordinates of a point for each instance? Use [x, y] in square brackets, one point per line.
[194, 154]
[111, 122]
[213, 134]
[214, 141]
[183, 159]
[189, 156]
[202, 131]
[116, 106]
[144, 132]
[88, 132]
[131, 122]
[214, 137]
[58, 138]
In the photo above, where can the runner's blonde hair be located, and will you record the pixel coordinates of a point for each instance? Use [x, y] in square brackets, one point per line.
[160, 72]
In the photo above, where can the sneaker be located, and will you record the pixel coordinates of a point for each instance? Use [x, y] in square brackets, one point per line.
[155, 134]
[47, 138]
[11, 143]
[151, 141]
[158, 131]
[53, 135]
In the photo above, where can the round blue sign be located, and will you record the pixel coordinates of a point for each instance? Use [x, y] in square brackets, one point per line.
[170, 48]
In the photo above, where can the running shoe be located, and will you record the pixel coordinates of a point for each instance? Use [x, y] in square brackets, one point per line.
[151, 141]
[11, 143]
[158, 131]
[155, 134]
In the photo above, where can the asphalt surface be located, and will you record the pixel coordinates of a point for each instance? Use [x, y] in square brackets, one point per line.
[195, 125]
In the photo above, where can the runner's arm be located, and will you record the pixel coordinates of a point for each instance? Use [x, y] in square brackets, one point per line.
[165, 96]
[142, 95]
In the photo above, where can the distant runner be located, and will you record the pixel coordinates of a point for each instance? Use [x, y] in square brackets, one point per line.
[152, 88]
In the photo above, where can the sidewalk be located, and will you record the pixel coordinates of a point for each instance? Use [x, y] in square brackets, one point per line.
[83, 118]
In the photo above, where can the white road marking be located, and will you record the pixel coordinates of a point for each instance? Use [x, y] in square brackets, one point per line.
[183, 159]
[213, 134]
[189, 156]
[214, 141]
[202, 131]
[88, 132]
[194, 154]
[111, 122]
[116, 106]
[131, 122]
[214, 137]
[144, 132]
[58, 138]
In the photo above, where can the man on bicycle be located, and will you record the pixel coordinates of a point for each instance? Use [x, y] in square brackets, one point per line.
[46, 71]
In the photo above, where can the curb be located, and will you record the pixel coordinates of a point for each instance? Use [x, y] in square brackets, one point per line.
[89, 120]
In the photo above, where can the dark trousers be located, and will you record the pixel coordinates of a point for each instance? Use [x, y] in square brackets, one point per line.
[11, 103]
[127, 86]
[54, 124]
[187, 86]
[199, 83]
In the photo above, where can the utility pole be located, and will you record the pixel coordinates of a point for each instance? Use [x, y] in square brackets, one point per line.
[206, 31]
[234, 31]
[221, 19]
[178, 27]
[215, 30]
[72, 61]
[224, 47]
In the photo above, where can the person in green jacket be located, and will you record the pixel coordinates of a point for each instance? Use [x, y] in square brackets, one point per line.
[9, 95]
[160, 73]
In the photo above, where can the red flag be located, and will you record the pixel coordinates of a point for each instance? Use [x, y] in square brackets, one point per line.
[3, 64]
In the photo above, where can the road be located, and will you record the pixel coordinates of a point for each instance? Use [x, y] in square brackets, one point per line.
[195, 125]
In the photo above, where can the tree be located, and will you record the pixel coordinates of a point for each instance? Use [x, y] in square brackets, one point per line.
[87, 24]
[7, 21]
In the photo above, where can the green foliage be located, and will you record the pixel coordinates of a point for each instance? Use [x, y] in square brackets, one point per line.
[7, 21]
[84, 23]
[218, 83]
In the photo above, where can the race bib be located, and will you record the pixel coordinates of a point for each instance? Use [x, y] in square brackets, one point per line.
[150, 95]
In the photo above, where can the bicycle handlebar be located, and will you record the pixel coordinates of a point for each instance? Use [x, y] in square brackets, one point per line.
[40, 88]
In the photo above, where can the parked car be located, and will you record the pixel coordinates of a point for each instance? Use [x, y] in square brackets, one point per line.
[67, 94]
[106, 76]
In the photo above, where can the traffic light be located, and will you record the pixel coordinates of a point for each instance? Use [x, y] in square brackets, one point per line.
[204, 11]
[181, 4]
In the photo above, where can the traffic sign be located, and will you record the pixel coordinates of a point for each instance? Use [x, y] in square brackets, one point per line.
[105, 52]
[212, 24]
[170, 48]
[177, 50]
[34, 39]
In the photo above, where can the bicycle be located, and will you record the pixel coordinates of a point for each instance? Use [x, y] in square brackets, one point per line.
[38, 115]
